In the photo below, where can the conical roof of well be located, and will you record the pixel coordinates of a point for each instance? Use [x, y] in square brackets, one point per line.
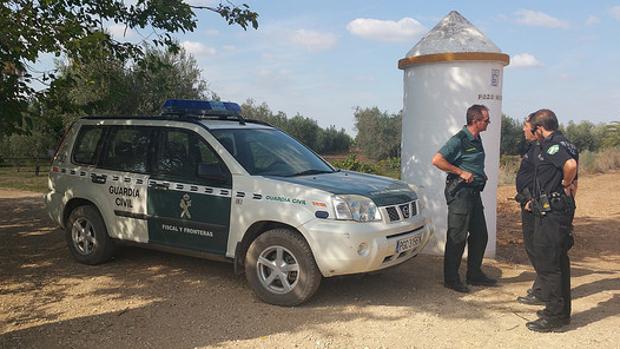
[454, 33]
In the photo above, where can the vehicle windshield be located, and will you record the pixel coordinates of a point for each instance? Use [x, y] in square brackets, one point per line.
[270, 152]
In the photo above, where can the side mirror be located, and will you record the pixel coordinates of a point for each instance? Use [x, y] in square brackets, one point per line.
[212, 172]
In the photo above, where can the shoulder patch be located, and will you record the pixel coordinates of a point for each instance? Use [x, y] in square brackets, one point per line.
[553, 149]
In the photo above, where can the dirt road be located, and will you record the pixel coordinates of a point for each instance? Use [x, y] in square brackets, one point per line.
[146, 299]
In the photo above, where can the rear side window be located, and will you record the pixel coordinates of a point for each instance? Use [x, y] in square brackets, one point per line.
[127, 149]
[85, 148]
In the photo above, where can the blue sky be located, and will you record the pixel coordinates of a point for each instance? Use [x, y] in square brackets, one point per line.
[323, 58]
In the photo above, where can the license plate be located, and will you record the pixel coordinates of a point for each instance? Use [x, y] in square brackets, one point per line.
[408, 244]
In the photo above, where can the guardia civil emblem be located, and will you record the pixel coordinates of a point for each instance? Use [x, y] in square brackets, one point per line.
[185, 204]
[553, 149]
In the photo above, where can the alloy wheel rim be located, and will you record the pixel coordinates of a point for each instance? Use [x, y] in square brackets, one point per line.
[83, 236]
[278, 269]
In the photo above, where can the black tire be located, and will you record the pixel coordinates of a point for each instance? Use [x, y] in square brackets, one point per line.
[96, 247]
[294, 248]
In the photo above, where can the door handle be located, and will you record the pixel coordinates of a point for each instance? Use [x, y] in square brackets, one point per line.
[99, 179]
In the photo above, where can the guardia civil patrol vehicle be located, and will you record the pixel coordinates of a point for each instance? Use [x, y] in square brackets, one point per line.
[201, 180]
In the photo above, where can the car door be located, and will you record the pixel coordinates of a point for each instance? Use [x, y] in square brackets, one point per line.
[189, 193]
[117, 184]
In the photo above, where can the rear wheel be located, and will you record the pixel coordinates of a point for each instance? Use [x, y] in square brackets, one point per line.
[280, 268]
[87, 236]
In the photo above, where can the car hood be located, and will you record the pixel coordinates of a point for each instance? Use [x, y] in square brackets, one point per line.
[383, 191]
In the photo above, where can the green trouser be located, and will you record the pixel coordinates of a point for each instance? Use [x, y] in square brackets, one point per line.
[466, 225]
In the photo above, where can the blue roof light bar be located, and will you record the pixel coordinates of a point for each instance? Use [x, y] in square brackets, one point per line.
[200, 107]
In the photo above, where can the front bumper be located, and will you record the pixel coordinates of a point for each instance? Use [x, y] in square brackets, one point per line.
[336, 244]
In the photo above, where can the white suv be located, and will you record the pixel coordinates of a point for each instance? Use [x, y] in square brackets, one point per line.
[201, 180]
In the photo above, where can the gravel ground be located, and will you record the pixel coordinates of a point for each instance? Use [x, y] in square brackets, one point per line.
[146, 299]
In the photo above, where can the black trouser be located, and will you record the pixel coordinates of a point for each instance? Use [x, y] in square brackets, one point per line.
[465, 215]
[552, 240]
[527, 226]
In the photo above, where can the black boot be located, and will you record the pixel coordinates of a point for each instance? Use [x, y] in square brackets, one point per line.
[530, 299]
[547, 324]
[481, 280]
[458, 286]
[542, 313]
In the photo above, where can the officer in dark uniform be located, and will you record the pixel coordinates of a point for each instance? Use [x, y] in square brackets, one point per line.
[553, 205]
[525, 187]
[462, 157]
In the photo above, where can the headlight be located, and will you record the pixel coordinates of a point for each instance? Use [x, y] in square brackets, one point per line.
[355, 207]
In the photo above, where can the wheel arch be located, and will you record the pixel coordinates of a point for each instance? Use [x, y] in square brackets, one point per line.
[254, 231]
[74, 203]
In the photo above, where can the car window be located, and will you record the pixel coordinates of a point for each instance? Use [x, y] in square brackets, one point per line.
[181, 152]
[85, 148]
[127, 149]
[270, 152]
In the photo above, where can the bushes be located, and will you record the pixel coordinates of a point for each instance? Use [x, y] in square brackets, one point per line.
[389, 167]
[378, 133]
[306, 130]
[604, 161]
[351, 163]
[600, 162]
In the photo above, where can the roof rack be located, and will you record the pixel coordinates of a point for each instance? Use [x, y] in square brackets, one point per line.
[203, 109]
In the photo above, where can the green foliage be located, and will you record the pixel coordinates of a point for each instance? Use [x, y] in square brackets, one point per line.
[378, 133]
[73, 28]
[306, 130]
[108, 86]
[511, 137]
[36, 144]
[583, 135]
[611, 135]
[353, 164]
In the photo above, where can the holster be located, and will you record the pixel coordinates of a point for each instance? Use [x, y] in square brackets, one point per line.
[562, 203]
[453, 185]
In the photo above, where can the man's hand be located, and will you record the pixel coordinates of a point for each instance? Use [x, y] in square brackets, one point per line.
[466, 176]
[571, 190]
[528, 206]
[441, 163]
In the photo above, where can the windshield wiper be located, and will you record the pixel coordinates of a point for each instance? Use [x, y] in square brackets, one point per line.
[309, 172]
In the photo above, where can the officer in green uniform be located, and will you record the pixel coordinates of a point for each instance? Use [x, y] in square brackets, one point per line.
[462, 157]
[554, 208]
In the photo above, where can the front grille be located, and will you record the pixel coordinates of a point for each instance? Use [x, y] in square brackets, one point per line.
[392, 213]
[407, 211]
[404, 209]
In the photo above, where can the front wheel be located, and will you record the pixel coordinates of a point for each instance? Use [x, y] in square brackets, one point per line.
[280, 268]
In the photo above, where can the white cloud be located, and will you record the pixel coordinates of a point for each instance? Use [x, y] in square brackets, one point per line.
[198, 49]
[615, 12]
[539, 19]
[524, 60]
[120, 32]
[313, 40]
[591, 20]
[406, 29]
